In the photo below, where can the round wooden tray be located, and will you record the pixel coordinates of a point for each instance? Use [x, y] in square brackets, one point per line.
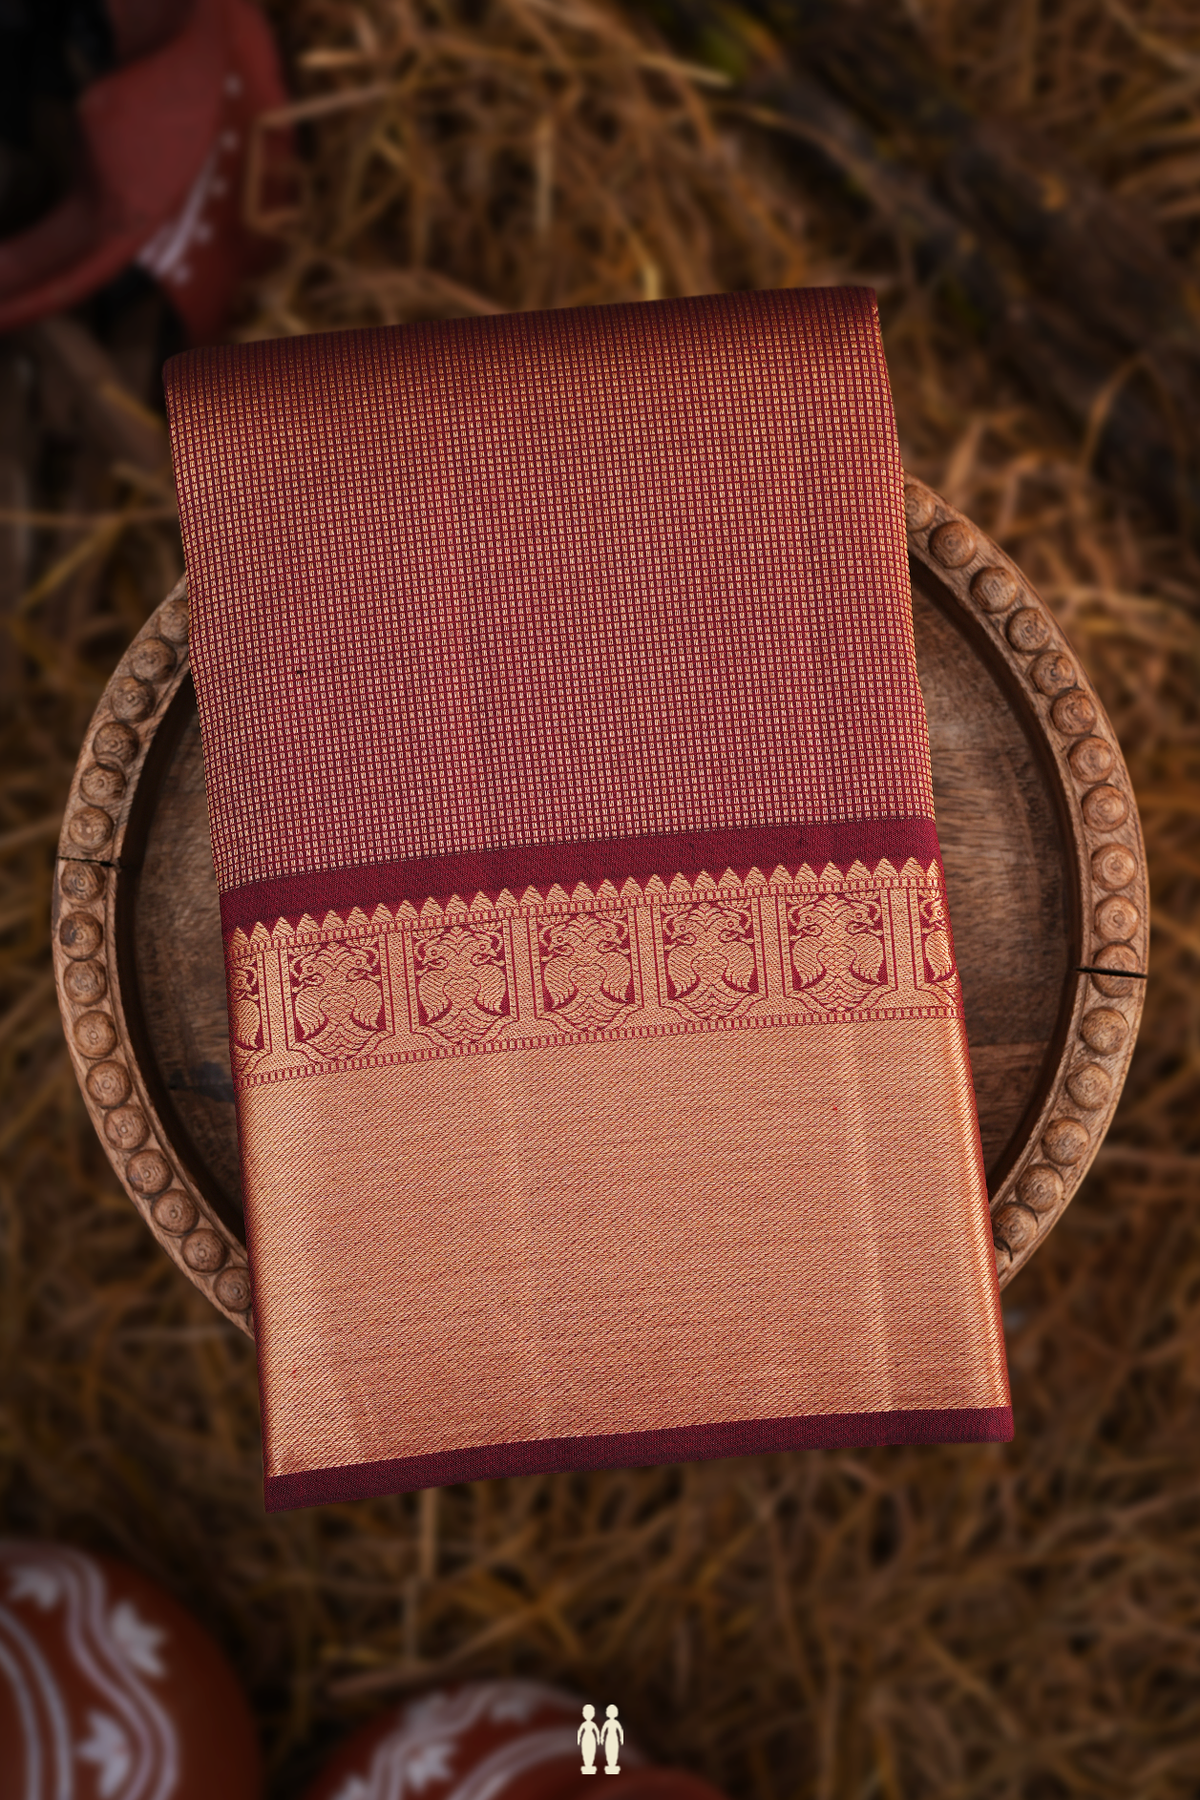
[1044, 864]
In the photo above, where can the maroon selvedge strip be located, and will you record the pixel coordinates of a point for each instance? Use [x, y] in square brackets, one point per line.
[636, 1449]
[612, 859]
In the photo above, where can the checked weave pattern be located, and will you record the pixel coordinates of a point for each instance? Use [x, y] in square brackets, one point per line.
[549, 578]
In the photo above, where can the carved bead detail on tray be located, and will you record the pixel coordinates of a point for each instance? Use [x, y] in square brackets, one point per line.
[80, 935]
[95, 1034]
[175, 1211]
[1104, 1030]
[1113, 866]
[995, 590]
[1054, 673]
[1089, 1086]
[109, 766]
[953, 543]
[90, 828]
[85, 982]
[920, 507]
[1105, 808]
[131, 699]
[1090, 759]
[1117, 918]
[148, 1172]
[1041, 1188]
[204, 1251]
[1065, 1141]
[232, 1288]
[108, 1083]
[1073, 713]
[102, 786]
[1016, 1225]
[1118, 958]
[1029, 630]
[115, 743]
[81, 881]
[150, 659]
[126, 1128]
[172, 621]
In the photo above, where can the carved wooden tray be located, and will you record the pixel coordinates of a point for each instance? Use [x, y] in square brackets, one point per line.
[1044, 864]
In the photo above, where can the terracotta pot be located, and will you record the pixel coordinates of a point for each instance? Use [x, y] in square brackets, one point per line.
[493, 1740]
[162, 166]
[109, 1690]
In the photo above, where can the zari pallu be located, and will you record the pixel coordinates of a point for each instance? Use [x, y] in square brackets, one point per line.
[601, 1074]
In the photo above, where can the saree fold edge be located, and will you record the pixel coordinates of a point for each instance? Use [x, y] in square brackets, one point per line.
[598, 1046]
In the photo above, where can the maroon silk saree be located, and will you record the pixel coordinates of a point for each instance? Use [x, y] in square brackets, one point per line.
[601, 1074]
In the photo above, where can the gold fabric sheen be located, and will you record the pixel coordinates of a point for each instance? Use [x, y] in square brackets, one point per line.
[789, 1247]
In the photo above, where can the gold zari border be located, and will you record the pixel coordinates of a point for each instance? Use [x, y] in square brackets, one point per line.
[652, 959]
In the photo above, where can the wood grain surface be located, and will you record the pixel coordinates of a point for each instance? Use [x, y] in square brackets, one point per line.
[1044, 867]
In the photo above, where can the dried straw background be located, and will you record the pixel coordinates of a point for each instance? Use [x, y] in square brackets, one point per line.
[1000, 1621]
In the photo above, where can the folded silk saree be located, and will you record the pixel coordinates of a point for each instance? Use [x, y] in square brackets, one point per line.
[601, 1074]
